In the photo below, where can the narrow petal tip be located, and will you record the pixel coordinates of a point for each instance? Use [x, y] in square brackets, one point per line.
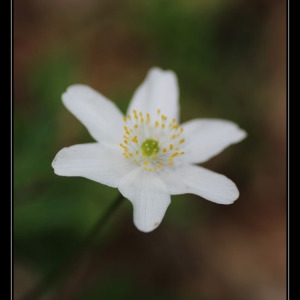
[159, 70]
[74, 90]
[232, 196]
[147, 229]
[242, 134]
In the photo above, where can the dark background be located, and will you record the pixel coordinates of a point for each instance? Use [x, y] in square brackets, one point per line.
[230, 59]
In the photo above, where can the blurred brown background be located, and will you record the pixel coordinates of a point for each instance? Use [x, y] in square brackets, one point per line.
[230, 59]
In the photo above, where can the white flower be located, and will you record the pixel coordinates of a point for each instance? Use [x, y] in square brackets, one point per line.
[146, 154]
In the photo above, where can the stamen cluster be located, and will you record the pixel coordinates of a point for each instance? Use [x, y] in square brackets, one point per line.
[149, 142]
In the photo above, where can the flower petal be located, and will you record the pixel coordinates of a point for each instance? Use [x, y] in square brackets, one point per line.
[96, 162]
[202, 182]
[158, 91]
[149, 197]
[205, 138]
[100, 116]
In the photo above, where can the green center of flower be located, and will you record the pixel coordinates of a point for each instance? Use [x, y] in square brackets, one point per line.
[150, 147]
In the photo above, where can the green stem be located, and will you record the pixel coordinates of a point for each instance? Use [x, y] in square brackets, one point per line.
[67, 263]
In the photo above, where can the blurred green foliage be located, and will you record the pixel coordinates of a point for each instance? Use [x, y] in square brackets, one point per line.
[128, 286]
[213, 49]
[50, 213]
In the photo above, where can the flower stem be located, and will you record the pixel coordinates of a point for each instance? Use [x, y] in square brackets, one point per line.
[68, 262]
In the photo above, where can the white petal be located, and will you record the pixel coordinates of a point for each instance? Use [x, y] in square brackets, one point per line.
[205, 138]
[100, 116]
[158, 91]
[93, 161]
[149, 198]
[202, 182]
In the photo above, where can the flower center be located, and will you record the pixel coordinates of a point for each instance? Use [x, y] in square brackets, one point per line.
[152, 142]
[150, 147]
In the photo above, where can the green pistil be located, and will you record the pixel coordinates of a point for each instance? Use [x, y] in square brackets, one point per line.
[150, 147]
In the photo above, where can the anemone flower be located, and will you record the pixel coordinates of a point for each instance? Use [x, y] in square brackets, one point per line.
[146, 154]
